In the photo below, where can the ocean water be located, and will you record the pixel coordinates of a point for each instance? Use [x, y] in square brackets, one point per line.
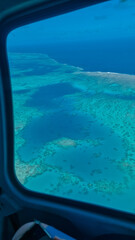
[49, 96]
[74, 128]
[104, 55]
[61, 124]
[111, 55]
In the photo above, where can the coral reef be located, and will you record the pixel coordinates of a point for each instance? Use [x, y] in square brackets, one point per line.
[96, 166]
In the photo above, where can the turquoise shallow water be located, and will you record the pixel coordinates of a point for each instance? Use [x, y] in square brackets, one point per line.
[74, 131]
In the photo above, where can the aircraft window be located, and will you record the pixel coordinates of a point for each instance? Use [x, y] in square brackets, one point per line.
[73, 85]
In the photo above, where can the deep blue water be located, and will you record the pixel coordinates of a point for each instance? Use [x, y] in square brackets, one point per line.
[35, 68]
[46, 96]
[105, 56]
[21, 91]
[57, 125]
[54, 126]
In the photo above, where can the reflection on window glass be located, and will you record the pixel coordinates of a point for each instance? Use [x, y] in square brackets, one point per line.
[73, 83]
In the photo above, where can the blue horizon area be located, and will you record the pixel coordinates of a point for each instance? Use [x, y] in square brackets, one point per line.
[116, 55]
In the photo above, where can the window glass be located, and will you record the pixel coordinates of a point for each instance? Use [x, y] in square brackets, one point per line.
[73, 85]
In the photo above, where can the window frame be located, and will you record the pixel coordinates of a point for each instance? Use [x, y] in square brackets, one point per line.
[12, 192]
